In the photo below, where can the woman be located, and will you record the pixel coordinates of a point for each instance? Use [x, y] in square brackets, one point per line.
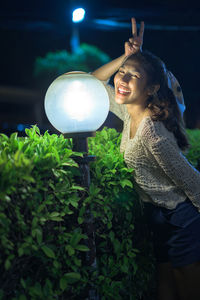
[152, 139]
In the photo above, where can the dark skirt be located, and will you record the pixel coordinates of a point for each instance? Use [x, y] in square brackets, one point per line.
[176, 233]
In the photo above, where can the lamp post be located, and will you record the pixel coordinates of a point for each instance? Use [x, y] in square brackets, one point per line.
[78, 15]
[77, 104]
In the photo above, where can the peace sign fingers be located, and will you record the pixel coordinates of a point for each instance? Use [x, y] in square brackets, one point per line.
[134, 28]
[134, 44]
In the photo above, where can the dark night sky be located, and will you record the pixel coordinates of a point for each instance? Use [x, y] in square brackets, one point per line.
[32, 28]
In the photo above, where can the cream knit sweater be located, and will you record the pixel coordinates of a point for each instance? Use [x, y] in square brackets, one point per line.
[162, 174]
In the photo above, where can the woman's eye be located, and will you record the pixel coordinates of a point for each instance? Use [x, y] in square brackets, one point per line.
[121, 72]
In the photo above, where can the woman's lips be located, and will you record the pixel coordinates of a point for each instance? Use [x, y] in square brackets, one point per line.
[123, 91]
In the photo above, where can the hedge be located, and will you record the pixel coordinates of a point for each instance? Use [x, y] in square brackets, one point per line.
[42, 215]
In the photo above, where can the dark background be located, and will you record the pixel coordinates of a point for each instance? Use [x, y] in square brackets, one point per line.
[29, 29]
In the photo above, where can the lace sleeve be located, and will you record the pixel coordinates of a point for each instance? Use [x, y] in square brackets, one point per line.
[169, 157]
[119, 110]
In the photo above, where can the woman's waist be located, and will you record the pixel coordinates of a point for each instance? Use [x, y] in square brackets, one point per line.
[168, 197]
[182, 215]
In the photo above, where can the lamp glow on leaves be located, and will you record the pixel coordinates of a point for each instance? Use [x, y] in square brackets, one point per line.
[76, 102]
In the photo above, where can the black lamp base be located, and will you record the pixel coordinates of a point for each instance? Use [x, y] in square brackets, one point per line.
[80, 143]
[80, 134]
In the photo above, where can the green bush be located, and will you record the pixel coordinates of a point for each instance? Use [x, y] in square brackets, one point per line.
[86, 58]
[39, 232]
[193, 154]
[42, 214]
[124, 250]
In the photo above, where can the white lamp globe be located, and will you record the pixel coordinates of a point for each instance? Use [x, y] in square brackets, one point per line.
[76, 102]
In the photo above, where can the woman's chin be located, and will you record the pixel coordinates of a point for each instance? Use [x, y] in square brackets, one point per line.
[119, 100]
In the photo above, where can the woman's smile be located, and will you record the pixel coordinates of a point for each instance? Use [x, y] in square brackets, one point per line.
[121, 90]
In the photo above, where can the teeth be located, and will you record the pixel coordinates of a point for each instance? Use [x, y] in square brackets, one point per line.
[123, 91]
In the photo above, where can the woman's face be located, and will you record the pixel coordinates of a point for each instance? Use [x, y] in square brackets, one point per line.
[131, 84]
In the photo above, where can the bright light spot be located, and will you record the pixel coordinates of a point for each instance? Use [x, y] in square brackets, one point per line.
[78, 15]
[77, 103]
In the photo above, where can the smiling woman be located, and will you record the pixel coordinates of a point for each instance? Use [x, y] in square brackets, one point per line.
[152, 140]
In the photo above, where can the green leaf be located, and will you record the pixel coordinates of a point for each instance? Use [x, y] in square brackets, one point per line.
[75, 239]
[126, 182]
[23, 283]
[48, 251]
[78, 262]
[77, 187]
[34, 221]
[73, 275]
[20, 251]
[80, 220]
[57, 219]
[36, 290]
[39, 236]
[63, 283]
[74, 203]
[82, 211]
[54, 214]
[82, 248]
[22, 297]
[109, 225]
[7, 264]
[41, 207]
[112, 235]
[56, 264]
[70, 250]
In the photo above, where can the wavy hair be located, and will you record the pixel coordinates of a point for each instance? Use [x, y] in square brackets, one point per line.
[162, 104]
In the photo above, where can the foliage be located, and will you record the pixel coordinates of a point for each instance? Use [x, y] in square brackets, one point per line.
[124, 250]
[86, 58]
[193, 154]
[42, 214]
[38, 228]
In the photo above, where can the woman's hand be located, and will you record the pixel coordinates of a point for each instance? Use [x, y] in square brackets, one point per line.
[135, 42]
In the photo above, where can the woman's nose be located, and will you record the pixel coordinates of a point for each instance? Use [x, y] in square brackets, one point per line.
[126, 78]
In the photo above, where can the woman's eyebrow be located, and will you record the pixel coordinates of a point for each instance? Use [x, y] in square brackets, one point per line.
[135, 70]
[132, 69]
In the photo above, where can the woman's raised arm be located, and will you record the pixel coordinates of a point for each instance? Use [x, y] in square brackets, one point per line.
[133, 45]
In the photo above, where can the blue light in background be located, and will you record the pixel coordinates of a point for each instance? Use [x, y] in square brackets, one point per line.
[78, 15]
[20, 127]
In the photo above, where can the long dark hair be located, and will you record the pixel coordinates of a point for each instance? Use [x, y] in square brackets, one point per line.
[163, 104]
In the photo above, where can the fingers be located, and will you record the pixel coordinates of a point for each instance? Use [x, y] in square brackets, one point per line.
[129, 45]
[134, 27]
[133, 42]
[141, 32]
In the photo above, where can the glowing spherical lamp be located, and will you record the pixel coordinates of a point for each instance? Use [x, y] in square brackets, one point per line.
[76, 102]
